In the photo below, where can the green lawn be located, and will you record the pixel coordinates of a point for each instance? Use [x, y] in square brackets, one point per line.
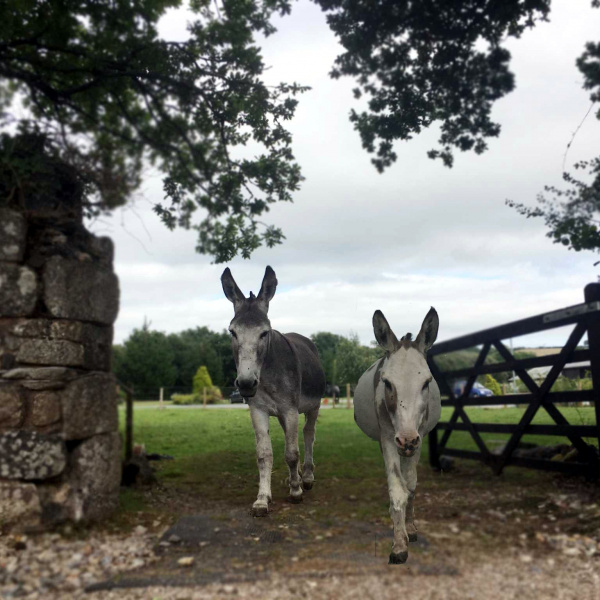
[211, 443]
[215, 463]
[462, 439]
[192, 432]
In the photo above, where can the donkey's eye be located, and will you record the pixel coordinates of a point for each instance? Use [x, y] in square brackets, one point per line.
[388, 385]
[263, 334]
[426, 385]
[233, 333]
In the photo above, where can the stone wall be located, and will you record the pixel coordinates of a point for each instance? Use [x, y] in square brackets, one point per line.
[60, 450]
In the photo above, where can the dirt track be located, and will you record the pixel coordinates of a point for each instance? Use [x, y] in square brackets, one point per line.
[519, 536]
[525, 535]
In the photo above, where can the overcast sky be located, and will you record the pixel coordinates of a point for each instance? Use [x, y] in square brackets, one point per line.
[419, 235]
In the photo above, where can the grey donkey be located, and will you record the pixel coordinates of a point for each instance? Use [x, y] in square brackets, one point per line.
[397, 403]
[280, 375]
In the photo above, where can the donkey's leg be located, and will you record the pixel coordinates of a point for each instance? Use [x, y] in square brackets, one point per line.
[308, 469]
[398, 500]
[408, 467]
[264, 457]
[289, 423]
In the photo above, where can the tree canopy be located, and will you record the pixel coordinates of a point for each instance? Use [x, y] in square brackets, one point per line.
[419, 63]
[444, 61]
[145, 361]
[110, 96]
[327, 344]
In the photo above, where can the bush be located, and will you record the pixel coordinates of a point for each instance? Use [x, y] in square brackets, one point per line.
[202, 380]
[564, 384]
[491, 384]
[185, 399]
[213, 396]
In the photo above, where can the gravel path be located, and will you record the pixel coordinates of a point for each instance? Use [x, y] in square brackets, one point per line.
[55, 565]
[61, 565]
[504, 580]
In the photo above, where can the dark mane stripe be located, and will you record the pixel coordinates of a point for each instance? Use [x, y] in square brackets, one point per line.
[377, 375]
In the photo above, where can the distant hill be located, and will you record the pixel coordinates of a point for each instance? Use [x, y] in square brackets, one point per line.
[545, 351]
[541, 351]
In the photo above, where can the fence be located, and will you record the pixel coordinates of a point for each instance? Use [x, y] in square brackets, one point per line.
[584, 317]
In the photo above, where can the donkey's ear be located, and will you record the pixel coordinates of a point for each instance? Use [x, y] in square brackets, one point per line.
[267, 289]
[383, 332]
[429, 331]
[232, 291]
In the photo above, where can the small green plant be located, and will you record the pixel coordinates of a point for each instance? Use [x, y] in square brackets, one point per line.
[564, 384]
[213, 396]
[185, 399]
[201, 380]
[491, 384]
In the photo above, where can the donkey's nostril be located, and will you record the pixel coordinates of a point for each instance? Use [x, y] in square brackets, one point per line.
[246, 384]
[398, 442]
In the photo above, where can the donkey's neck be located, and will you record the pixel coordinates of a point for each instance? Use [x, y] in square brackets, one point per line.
[281, 358]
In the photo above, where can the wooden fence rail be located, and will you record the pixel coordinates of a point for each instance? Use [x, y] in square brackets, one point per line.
[585, 318]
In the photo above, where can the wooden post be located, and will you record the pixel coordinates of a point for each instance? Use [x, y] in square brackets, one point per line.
[434, 457]
[128, 424]
[592, 294]
[347, 395]
[204, 396]
[162, 397]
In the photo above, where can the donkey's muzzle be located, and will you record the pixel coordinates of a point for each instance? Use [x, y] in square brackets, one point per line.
[407, 446]
[247, 387]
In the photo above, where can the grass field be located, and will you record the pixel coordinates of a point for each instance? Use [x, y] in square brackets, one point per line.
[215, 455]
[193, 432]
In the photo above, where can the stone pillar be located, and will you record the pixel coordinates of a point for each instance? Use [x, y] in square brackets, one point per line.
[60, 450]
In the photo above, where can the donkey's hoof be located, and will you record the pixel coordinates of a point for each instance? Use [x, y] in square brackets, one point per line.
[260, 510]
[296, 499]
[398, 559]
[307, 485]
[413, 537]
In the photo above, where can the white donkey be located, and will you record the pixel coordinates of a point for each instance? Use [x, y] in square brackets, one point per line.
[397, 402]
[280, 375]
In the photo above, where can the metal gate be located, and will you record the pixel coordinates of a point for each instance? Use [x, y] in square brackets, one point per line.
[584, 317]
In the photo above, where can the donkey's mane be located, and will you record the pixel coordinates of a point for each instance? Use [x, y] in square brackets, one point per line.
[406, 341]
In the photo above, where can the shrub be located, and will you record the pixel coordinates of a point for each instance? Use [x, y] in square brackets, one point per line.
[202, 380]
[185, 399]
[491, 384]
[213, 396]
[564, 384]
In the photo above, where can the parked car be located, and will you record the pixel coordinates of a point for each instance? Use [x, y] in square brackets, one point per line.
[477, 391]
[236, 398]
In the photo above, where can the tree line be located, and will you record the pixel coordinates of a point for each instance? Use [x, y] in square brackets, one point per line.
[149, 359]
